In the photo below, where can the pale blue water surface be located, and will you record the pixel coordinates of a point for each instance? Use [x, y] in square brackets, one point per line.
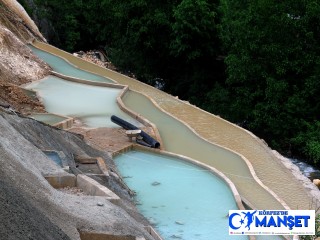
[179, 139]
[61, 66]
[183, 201]
[50, 119]
[93, 105]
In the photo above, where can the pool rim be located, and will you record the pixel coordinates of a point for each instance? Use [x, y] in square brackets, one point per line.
[138, 116]
[64, 124]
[212, 170]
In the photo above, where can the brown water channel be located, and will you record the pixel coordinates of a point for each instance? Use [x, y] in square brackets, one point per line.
[179, 139]
[216, 130]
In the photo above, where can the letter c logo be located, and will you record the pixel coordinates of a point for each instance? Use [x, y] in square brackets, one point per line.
[230, 221]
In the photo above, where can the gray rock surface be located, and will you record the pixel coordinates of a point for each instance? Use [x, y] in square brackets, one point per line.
[23, 165]
[21, 220]
[17, 63]
[29, 207]
[305, 182]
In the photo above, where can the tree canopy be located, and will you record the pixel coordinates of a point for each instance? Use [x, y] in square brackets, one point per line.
[273, 53]
[256, 63]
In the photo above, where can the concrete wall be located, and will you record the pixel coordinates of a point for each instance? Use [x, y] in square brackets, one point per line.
[62, 181]
[93, 188]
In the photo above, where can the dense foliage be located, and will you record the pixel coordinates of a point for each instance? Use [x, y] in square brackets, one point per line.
[273, 63]
[256, 63]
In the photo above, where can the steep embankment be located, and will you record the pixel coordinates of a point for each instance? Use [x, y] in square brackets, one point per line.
[53, 214]
[30, 207]
[14, 17]
[21, 220]
[17, 63]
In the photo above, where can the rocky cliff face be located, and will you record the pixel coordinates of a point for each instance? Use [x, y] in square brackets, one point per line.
[44, 212]
[30, 208]
[17, 63]
[14, 17]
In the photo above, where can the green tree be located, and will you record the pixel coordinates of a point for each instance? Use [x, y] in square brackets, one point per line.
[272, 66]
[194, 50]
[173, 40]
[61, 17]
[194, 30]
[268, 81]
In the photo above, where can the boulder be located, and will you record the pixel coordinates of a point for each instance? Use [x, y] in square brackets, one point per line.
[316, 182]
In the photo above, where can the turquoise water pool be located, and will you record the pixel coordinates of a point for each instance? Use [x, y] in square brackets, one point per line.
[244, 184]
[179, 139]
[182, 200]
[50, 119]
[62, 66]
[93, 105]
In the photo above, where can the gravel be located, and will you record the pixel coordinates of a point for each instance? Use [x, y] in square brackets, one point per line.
[21, 220]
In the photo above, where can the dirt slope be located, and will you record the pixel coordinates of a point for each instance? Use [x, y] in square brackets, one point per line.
[18, 66]
[14, 17]
[17, 63]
